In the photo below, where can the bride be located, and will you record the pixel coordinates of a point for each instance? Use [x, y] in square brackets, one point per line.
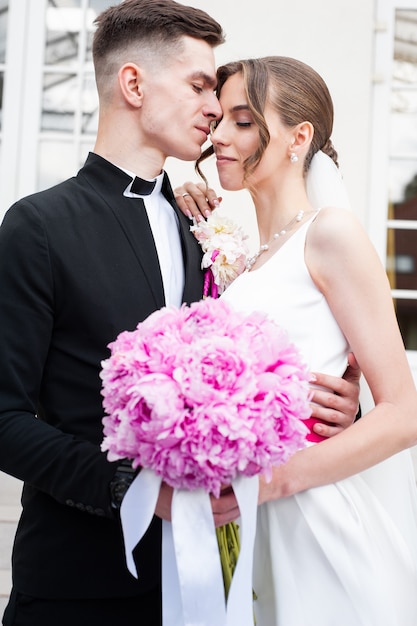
[333, 545]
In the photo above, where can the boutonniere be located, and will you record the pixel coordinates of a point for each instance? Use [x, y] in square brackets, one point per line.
[225, 251]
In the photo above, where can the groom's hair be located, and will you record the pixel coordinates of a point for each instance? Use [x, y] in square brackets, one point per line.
[141, 30]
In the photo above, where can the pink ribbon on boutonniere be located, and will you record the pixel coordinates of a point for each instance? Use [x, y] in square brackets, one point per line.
[210, 289]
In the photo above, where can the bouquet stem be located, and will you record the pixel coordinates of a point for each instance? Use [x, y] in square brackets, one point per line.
[229, 547]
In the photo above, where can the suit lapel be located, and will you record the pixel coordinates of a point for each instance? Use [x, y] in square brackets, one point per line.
[133, 220]
[192, 254]
[109, 182]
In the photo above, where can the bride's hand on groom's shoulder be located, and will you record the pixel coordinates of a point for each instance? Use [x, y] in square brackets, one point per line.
[196, 200]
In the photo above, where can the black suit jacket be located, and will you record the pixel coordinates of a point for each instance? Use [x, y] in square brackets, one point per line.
[78, 265]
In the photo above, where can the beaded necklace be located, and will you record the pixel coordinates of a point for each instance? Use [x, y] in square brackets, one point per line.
[264, 247]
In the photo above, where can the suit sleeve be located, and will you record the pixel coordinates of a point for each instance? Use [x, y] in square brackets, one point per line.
[69, 468]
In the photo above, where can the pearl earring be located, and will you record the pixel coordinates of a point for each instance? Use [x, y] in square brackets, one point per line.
[293, 157]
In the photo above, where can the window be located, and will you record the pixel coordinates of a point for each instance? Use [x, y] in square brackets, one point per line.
[69, 113]
[48, 110]
[402, 214]
[394, 205]
[4, 7]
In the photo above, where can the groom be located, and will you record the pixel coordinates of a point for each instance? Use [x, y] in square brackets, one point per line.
[79, 263]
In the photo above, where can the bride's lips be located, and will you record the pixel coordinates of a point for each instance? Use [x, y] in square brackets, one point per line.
[224, 160]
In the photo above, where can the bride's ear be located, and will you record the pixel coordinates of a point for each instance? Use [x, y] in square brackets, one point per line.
[302, 137]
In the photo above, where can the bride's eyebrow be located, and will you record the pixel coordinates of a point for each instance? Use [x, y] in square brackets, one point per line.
[239, 107]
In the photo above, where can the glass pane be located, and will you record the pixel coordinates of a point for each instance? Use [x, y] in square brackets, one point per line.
[403, 120]
[1, 98]
[402, 181]
[88, 52]
[85, 148]
[66, 19]
[95, 7]
[405, 39]
[55, 163]
[407, 320]
[402, 270]
[70, 102]
[402, 253]
[63, 24]
[402, 242]
[4, 10]
[60, 97]
[89, 106]
[405, 74]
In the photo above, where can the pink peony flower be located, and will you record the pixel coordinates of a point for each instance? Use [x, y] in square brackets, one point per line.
[202, 394]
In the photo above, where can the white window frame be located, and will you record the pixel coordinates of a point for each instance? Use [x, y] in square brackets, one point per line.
[22, 99]
[378, 223]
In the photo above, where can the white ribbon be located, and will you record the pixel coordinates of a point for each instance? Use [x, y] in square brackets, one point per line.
[136, 512]
[192, 582]
[240, 600]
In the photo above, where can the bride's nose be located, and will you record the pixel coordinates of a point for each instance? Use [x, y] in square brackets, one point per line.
[218, 135]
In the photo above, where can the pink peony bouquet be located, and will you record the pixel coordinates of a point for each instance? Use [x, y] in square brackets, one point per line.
[225, 251]
[202, 394]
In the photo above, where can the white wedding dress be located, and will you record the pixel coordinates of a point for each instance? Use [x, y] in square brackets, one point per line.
[343, 554]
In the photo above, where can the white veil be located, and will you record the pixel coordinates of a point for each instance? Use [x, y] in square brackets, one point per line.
[324, 183]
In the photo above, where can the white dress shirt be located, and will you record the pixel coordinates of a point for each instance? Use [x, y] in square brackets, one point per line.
[165, 229]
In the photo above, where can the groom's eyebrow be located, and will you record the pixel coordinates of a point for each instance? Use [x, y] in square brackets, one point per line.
[206, 78]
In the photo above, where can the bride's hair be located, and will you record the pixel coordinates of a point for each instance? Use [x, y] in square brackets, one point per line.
[296, 92]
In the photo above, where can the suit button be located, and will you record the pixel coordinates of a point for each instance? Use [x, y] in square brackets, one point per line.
[99, 512]
[80, 506]
[69, 502]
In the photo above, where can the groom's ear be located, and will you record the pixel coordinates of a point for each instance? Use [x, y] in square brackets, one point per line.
[130, 84]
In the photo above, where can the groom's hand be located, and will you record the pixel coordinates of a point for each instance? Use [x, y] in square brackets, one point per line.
[225, 508]
[337, 408]
[164, 502]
